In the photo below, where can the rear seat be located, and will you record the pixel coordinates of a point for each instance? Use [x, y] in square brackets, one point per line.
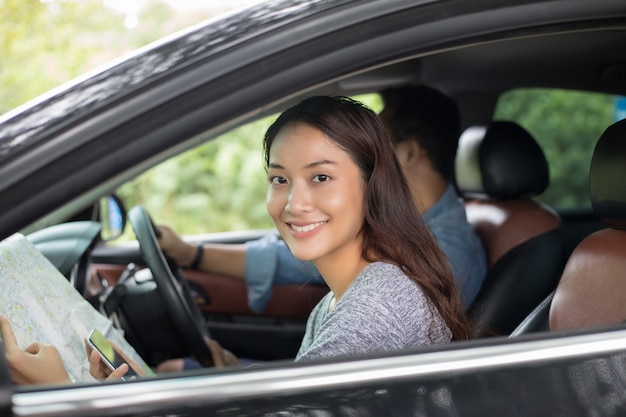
[592, 289]
[498, 168]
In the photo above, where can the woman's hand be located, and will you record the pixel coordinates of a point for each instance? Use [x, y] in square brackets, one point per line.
[39, 363]
[99, 370]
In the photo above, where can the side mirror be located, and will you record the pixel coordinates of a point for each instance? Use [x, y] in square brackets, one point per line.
[112, 216]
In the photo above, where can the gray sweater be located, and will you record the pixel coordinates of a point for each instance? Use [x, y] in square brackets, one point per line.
[382, 310]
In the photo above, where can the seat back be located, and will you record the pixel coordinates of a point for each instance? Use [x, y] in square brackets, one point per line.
[499, 168]
[592, 289]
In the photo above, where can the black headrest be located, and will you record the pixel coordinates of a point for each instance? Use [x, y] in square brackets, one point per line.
[607, 177]
[500, 161]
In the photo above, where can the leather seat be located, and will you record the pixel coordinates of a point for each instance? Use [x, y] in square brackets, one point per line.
[592, 289]
[499, 168]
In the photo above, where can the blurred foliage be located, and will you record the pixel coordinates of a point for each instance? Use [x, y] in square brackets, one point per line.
[34, 34]
[566, 124]
[46, 43]
[217, 186]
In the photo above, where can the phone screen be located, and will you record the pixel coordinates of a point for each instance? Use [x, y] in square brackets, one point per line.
[108, 353]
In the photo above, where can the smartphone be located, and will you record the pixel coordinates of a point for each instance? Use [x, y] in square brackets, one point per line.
[109, 355]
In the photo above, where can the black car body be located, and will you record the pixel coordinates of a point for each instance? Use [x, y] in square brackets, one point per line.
[65, 150]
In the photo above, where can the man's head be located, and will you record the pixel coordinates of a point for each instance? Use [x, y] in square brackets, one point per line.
[427, 116]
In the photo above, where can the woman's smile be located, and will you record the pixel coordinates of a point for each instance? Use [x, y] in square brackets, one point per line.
[305, 229]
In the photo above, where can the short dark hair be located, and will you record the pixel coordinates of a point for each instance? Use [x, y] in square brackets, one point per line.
[428, 115]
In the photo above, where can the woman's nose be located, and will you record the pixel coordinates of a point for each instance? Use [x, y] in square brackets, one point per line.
[298, 200]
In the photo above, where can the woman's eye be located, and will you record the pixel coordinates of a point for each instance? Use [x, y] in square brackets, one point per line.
[321, 178]
[276, 180]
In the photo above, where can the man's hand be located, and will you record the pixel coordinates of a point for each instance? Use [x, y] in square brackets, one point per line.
[39, 363]
[221, 357]
[180, 251]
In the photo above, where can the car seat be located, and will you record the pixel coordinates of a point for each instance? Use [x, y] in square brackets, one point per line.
[499, 168]
[592, 289]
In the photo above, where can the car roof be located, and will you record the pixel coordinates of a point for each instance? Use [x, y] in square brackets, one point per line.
[87, 137]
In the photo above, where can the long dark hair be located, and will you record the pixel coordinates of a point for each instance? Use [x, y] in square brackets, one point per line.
[393, 230]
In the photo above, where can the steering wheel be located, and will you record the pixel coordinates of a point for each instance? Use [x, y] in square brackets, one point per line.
[172, 287]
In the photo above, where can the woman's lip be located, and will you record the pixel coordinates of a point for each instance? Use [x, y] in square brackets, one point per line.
[305, 228]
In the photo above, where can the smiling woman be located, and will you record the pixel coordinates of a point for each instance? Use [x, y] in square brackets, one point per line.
[338, 198]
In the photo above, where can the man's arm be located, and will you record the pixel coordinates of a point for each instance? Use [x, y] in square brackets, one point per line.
[218, 258]
[262, 263]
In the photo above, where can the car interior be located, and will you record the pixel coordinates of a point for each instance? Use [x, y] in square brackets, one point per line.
[528, 242]
[500, 169]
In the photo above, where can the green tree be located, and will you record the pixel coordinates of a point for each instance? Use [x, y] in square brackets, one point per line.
[217, 186]
[46, 43]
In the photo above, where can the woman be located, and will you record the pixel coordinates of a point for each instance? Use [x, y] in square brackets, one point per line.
[338, 198]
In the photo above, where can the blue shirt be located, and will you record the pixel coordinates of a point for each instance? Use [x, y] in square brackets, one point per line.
[269, 261]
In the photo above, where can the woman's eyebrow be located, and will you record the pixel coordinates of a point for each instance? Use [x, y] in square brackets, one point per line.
[322, 162]
[310, 165]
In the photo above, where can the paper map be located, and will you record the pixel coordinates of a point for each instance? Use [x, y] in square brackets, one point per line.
[43, 305]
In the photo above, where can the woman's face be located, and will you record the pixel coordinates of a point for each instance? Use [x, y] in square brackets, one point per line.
[315, 195]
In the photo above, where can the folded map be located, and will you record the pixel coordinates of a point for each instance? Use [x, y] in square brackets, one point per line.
[43, 305]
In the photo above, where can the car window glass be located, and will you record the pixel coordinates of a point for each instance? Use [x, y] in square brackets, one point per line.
[566, 124]
[218, 186]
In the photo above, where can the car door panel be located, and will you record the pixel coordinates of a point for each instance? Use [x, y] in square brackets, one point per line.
[566, 374]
